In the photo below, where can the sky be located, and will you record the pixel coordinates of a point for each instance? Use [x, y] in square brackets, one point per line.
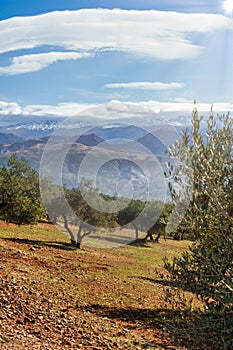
[61, 57]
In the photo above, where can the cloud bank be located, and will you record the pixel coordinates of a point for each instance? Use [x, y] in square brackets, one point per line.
[154, 34]
[114, 109]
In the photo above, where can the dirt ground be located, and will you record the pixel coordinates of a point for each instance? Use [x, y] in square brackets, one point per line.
[54, 297]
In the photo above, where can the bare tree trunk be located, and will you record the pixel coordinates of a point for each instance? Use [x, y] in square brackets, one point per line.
[79, 237]
[149, 235]
[136, 232]
[157, 238]
[66, 225]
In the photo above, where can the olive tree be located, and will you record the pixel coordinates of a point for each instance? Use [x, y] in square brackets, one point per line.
[207, 268]
[20, 200]
[87, 219]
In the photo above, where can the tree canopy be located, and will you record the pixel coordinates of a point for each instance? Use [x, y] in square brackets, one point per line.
[207, 268]
[20, 200]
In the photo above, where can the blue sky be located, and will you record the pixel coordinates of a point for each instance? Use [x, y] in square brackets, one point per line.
[59, 57]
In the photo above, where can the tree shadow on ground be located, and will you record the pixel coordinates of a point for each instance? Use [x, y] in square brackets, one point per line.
[162, 282]
[145, 242]
[147, 318]
[158, 319]
[140, 242]
[185, 287]
[189, 330]
[39, 244]
[121, 240]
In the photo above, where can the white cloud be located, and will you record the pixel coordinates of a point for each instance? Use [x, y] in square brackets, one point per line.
[117, 109]
[10, 108]
[35, 62]
[146, 85]
[114, 109]
[66, 109]
[156, 34]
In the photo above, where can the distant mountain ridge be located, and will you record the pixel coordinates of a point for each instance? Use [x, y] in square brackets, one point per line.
[6, 138]
[127, 147]
[33, 130]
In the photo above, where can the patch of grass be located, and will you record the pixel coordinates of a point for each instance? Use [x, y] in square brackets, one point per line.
[4, 339]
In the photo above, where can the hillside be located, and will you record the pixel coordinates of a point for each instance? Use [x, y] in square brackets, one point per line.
[53, 297]
[127, 161]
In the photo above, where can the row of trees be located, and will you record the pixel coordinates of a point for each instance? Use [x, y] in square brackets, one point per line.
[21, 203]
[80, 219]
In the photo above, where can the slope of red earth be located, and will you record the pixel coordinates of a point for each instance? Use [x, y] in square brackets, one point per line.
[55, 297]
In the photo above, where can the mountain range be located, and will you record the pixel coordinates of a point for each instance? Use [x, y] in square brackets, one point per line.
[129, 153]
